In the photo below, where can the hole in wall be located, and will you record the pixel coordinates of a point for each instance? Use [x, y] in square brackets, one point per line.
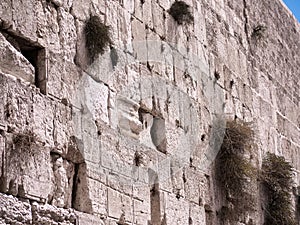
[114, 57]
[155, 206]
[202, 137]
[34, 53]
[80, 191]
[137, 159]
[156, 127]
[158, 134]
[217, 75]
[76, 180]
[208, 215]
[231, 84]
[122, 220]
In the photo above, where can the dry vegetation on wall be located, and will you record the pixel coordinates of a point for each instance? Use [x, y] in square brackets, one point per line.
[97, 36]
[181, 13]
[277, 180]
[259, 31]
[235, 173]
[24, 140]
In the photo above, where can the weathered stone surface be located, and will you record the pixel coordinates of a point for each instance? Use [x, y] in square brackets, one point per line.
[63, 175]
[130, 138]
[13, 211]
[48, 214]
[14, 63]
[29, 177]
[83, 218]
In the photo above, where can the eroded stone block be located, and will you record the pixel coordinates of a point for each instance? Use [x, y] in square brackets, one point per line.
[29, 177]
[48, 214]
[13, 63]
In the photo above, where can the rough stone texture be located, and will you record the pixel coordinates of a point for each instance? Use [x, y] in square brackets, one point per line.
[14, 63]
[130, 139]
[14, 211]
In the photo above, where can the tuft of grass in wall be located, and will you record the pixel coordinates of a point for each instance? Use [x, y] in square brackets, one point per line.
[235, 173]
[97, 36]
[259, 31]
[181, 12]
[24, 140]
[276, 176]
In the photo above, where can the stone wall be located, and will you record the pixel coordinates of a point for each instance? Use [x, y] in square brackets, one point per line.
[131, 138]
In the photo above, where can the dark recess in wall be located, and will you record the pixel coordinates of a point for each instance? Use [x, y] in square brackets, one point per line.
[34, 53]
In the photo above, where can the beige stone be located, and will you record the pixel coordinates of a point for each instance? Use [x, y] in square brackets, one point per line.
[131, 137]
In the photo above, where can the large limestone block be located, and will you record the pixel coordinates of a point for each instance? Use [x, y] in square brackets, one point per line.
[84, 218]
[43, 117]
[177, 210]
[26, 171]
[98, 196]
[119, 205]
[18, 105]
[47, 27]
[95, 98]
[24, 18]
[197, 215]
[67, 34]
[197, 187]
[12, 62]
[141, 212]
[158, 18]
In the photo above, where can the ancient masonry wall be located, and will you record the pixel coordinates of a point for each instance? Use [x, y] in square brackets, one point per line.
[129, 139]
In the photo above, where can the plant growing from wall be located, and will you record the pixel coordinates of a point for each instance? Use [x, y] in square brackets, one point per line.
[276, 176]
[259, 31]
[235, 173]
[97, 36]
[181, 13]
[24, 140]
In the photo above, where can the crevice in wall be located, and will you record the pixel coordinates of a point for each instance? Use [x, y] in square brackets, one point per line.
[2, 157]
[81, 200]
[34, 53]
[114, 57]
[137, 159]
[158, 134]
[155, 204]
[76, 180]
[70, 180]
[208, 215]
[298, 205]
[208, 206]
[246, 26]
[155, 207]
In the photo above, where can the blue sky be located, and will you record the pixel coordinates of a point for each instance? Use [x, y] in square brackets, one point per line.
[294, 6]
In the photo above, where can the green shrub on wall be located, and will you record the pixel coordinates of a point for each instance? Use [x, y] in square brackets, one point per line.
[181, 13]
[235, 173]
[277, 180]
[97, 36]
